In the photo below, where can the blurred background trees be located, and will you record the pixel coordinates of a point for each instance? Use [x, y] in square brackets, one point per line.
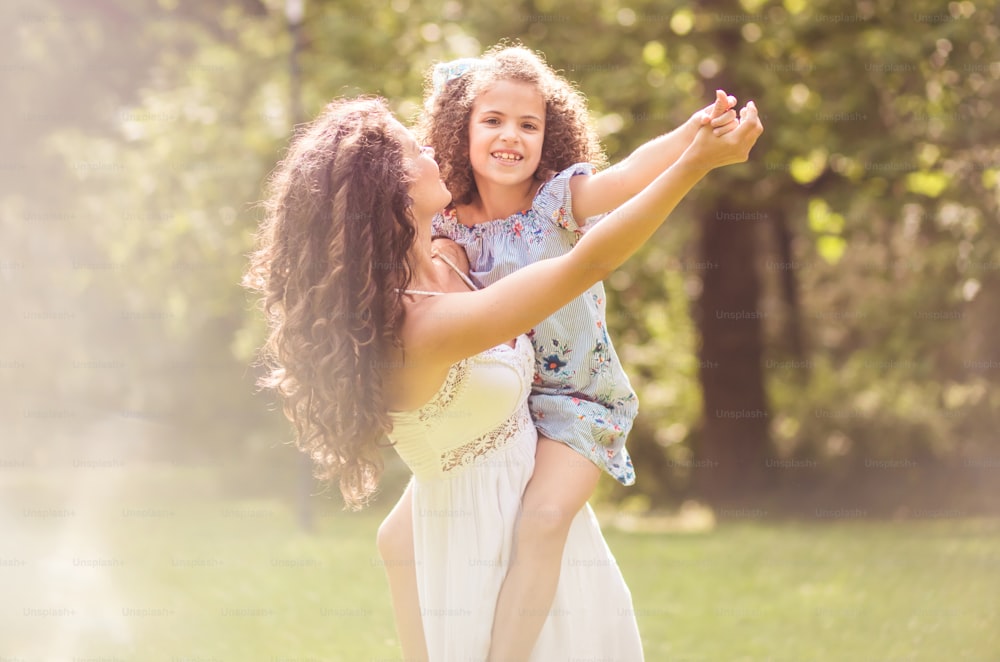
[816, 328]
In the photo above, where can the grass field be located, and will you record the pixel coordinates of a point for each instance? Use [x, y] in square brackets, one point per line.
[97, 573]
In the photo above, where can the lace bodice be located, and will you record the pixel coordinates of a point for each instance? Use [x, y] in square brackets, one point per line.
[481, 407]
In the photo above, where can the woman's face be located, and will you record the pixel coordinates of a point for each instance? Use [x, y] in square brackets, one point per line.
[426, 188]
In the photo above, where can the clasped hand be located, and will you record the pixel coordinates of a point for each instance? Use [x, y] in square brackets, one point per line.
[723, 137]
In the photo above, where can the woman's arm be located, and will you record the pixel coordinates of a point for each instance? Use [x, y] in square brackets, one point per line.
[445, 329]
[602, 192]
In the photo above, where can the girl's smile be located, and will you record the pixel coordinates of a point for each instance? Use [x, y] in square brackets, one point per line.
[506, 156]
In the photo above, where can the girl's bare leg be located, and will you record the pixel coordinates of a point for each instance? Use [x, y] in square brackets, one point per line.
[562, 482]
[395, 546]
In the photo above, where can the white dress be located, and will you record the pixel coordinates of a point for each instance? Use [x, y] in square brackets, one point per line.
[472, 451]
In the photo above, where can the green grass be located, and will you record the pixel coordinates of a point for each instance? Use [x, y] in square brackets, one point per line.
[200, 579]
[845, 591]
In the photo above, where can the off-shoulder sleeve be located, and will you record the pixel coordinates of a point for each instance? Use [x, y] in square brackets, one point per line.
[554, 200]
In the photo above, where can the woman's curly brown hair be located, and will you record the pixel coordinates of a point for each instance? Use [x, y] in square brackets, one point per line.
[444, 125]
[331, 256]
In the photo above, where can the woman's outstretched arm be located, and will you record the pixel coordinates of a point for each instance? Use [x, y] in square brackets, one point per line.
[452, 327]
[602, 192]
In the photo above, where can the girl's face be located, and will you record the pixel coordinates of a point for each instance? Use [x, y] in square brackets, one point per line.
[426, 188]
[506, 132]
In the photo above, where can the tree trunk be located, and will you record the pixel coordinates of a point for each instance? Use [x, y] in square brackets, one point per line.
[730, 454]
[789, 286]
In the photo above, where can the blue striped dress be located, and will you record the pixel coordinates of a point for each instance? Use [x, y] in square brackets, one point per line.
[581, 396]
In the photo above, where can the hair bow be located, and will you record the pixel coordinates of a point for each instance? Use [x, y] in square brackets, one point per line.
[445, 72]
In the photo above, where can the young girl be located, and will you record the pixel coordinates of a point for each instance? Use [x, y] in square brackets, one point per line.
[516, 150]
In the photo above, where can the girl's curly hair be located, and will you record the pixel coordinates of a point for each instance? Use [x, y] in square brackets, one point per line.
[444, 124]
[330, 260]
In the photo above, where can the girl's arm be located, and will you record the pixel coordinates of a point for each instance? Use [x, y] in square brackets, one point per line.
[444, 329]
[602, 192]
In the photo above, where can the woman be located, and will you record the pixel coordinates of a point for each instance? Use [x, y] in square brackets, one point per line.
[373, 334]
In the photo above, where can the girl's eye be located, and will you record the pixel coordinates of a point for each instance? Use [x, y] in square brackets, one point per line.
[491, 121]
[529, 127]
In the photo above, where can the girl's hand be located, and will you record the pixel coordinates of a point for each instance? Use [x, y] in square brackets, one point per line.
[720, 115]
[721, 107]
[711, 149]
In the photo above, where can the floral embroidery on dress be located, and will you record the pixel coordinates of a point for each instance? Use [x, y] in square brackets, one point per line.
[554, 361]
[451, 388]
[529, 230]
[601, 355]
[559, 217]
[496, 438]
[607, 434]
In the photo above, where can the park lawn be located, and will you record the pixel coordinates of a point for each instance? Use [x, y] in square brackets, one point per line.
[243, 584]
[865, 591]
[213, 580]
